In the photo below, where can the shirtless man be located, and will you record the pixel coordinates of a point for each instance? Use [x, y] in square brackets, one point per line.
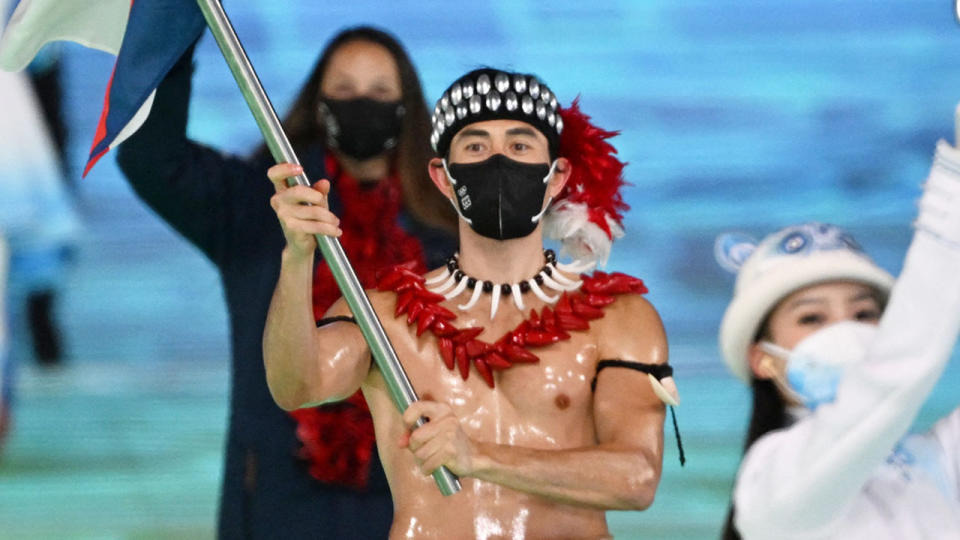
[543, 441]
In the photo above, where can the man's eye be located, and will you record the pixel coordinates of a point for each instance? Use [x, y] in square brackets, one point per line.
[520, 147]
[868, 315]
[474, 147]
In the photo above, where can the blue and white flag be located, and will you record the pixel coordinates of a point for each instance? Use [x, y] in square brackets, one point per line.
[148, 37]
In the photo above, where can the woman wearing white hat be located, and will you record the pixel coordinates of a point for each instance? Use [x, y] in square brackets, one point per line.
[841, 358]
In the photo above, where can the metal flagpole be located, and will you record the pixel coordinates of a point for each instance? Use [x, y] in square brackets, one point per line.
[383, 354]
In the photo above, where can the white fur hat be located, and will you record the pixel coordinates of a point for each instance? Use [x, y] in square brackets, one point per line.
[785, 261]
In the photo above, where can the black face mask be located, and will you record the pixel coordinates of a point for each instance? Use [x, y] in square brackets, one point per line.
[361, 128]
[500, 198]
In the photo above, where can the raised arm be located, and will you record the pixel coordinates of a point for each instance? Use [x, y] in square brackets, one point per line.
[800, 478]
[192, 187]
[306, 364]
[621, 471]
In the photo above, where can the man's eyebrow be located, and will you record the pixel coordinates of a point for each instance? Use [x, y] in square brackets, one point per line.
[473, 132]
[522, 131]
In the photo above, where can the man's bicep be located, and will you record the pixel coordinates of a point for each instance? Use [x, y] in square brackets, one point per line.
[343, 356]
[633, 354]
[627, 411]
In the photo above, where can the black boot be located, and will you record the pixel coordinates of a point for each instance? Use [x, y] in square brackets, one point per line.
[43, 329]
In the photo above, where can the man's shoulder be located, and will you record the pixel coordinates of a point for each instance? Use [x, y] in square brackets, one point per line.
[623, 293]
[394, 277]
[633, 307]
[631, 315]
[402, 289]
[391, 281]
[630, 322]
[613, 283]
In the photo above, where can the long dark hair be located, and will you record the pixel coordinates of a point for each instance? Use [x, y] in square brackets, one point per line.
[421, 199]
[769, 413]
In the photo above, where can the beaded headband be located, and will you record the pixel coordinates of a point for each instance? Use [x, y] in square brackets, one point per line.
[492, 94]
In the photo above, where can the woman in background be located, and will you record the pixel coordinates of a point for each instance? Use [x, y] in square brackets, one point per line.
[359, 121]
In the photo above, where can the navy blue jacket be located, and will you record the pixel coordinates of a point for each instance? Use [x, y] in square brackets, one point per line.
[221, 205]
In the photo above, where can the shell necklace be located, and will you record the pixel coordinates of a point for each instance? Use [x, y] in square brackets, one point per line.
[453, 281]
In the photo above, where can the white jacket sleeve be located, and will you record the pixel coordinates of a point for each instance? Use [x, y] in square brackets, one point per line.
[802, 477]
[947, 434]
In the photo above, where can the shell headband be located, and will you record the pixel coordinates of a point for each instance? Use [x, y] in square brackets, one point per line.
[491, 94]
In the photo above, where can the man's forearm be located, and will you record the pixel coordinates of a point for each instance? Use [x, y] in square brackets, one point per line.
[604, 476]
[289, 348]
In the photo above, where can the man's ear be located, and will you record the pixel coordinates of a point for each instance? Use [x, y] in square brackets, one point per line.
[760, 363]
[439, 176]
[560, 176]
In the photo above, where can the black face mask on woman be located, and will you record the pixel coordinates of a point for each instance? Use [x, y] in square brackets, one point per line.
[500, 198]
[361, 128]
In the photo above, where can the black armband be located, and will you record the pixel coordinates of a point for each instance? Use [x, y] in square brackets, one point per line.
[339, 318]
[659, 371]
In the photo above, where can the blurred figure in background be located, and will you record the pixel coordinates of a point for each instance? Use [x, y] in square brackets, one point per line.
[46, 338]
[841, 358]
[361, 122]
[37, 218]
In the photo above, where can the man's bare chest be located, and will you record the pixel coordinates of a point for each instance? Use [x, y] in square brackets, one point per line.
[528, 400]
[535, 364]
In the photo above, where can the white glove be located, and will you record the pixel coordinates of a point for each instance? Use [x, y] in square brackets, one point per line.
[940, 204]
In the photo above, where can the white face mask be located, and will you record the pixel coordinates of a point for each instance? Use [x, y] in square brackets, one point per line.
[816, 364]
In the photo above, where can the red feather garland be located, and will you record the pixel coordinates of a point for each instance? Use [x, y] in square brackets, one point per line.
[459, 347]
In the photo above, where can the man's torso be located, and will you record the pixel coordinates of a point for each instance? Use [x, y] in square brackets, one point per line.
[543, 405]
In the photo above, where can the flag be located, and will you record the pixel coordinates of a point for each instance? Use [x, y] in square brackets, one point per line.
[155, 34]
[98, 24]
[35, 209]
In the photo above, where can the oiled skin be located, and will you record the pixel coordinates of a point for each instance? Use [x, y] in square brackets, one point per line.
[544, 457]
[540, 455]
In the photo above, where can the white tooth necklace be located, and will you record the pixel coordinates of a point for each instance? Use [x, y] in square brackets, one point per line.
[452, 282]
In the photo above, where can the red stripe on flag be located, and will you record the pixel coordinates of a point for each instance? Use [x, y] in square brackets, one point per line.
[93, 161]
[101, 127]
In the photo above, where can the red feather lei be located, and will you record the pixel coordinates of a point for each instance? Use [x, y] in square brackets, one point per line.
[461, 348]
